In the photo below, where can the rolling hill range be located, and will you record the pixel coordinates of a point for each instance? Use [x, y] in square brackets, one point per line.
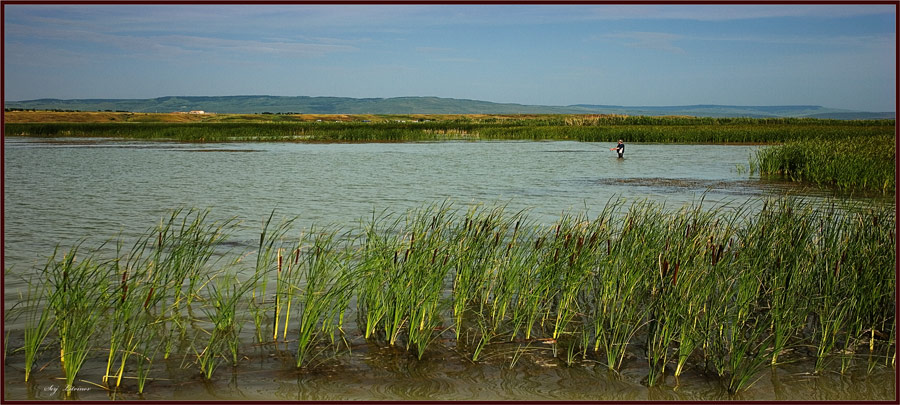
[419, 105]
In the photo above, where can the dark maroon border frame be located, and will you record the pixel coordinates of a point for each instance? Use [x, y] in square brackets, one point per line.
[3, 3]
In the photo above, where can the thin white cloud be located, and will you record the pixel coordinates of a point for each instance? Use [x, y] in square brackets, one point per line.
[456, 60]
[433, 49]
[726, 12]
[663, 41]
[659, 41]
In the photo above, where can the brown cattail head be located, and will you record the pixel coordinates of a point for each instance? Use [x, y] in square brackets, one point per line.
[675, 274]
[538, 243]
[124, 285]
[147, 301]
[279, 260]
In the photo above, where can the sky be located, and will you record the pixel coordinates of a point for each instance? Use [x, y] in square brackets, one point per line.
[837, 56]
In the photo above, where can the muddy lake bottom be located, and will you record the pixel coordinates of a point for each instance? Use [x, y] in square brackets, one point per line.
[377, 372]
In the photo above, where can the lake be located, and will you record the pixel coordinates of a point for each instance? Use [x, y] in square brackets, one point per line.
[58, 191]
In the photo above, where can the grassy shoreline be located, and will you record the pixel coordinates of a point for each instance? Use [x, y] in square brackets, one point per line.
[728, 292]
[695, 132]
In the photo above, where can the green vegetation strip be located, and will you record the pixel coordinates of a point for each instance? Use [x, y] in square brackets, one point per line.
[590, 129]
[859, 162]
[727, 291]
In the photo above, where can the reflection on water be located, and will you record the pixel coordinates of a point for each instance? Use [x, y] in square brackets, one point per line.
[60, 191]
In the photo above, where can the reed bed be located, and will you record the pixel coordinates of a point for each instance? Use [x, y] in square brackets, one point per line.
[588, 129]
[725, 291]
[865, 162]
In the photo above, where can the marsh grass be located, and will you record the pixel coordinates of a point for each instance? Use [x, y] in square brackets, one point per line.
[79, 299]
[852, 163]
[323, 287]
[224, 296]
[728, 291]
[38, 324]
[568, 127]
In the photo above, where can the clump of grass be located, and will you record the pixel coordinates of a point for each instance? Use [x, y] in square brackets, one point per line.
[323, 287]
[224, 296]
[271, 243]
[38, 324]
[855, 163]
[79, 301]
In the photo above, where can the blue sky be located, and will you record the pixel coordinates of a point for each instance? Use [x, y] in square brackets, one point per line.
[838, 56]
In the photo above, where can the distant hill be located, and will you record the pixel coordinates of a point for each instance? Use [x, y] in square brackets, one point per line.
[420, 105]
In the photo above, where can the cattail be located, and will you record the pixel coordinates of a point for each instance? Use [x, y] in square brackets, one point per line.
[837, 267]
[406, 256]
[124, 286]
[279, 260]
[675, 274]
[147, 301]
[608, 247]
[296, 256]
[663, 266]
[433, 255]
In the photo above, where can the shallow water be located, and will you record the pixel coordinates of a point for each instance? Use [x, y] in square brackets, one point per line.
[59, 191]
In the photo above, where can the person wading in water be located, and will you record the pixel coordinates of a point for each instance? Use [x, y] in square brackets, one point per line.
[620, 148]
